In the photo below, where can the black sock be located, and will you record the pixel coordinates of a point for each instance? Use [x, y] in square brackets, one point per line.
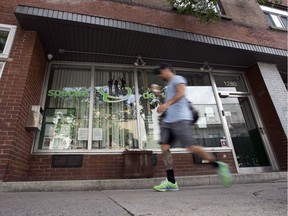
[170, 176]
[215, 164]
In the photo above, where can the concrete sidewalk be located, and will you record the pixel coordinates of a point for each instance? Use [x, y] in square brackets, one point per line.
[122, 184]
[258, 199]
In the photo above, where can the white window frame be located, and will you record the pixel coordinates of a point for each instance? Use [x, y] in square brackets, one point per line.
[275, 12]
[8, 46]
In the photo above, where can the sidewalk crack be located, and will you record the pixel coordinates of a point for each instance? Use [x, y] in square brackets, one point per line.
[130, 213]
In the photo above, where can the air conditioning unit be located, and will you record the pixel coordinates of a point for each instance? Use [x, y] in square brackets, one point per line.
[35, 117]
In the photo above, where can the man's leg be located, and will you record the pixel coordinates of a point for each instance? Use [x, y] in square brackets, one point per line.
[169, 184]
[168, 161]
[222, 168]
[182, 131]
[165, 139]
[200, 152]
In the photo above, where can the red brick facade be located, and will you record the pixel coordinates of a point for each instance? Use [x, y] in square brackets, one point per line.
[243, 26]
[111, 167]
[21, 86]
[272, 124]
[23, 75]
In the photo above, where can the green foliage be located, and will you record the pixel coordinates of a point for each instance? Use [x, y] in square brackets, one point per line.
[207, 11]
[261, 2]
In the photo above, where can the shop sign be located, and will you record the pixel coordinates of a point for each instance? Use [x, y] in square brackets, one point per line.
[114, 99]
[148, 95]
[106, 96]
[85, 93]
[73, 93]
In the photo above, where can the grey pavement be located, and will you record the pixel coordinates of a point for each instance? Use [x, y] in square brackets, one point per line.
[121, 184]
[264, 199]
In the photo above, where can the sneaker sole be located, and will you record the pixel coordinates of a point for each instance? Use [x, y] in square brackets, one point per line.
[173, 189]
[163, 190]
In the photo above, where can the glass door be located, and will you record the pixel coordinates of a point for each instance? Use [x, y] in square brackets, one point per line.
[242, 122]
[245, 134]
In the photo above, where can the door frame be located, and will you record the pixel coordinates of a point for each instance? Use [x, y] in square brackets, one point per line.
[274, 166]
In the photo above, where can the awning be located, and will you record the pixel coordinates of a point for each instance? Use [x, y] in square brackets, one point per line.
[77, 37]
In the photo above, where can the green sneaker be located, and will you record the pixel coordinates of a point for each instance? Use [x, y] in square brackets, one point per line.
[224, 174]
[166, 185]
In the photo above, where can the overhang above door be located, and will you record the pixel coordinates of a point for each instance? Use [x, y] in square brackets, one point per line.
[77, 37]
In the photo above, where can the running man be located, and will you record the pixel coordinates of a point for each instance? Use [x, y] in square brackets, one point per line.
[176, 126]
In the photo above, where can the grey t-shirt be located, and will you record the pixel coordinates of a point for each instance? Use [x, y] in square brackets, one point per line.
[179, 110]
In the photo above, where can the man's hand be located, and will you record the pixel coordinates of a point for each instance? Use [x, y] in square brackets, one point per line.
[162, 108]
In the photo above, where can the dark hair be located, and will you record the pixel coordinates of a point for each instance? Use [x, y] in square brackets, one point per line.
[163, 66]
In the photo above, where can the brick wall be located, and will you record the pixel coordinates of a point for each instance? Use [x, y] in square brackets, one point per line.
[22, 79]
[269, 116]
[243, 26]
[111, 167]
[20, 87]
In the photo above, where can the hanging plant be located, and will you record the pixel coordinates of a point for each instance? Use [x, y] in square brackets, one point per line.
[206, 11]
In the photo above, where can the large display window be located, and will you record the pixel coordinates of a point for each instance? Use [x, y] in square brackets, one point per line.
[97, 108]
[66, 114]
[208, 131]
[68, 123]
[114, 110]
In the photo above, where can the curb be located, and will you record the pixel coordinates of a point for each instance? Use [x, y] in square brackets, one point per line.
[124, 184]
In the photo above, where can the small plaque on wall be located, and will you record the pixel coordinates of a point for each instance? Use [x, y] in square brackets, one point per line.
[64, 161]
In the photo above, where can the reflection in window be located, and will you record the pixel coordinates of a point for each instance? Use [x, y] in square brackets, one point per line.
[65, 123]
[149, 124]
[3, 39]
[199, 91]
[209, 125]
[114, 112]
[1, 68]
[208, 131]
[277, 18]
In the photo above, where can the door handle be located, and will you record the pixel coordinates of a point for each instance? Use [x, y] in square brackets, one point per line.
[261, 129]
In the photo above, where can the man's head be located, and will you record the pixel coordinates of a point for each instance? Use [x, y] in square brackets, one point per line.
[165, 71]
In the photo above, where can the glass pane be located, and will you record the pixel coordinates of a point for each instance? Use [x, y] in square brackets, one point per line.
[214, 6]
[284, 21]
[114, 112]
[3, 39]
[1, 68]
[245, 134]
[276, 21]
[208, 130]
[231, 83]
[65, 123]
[149, 124]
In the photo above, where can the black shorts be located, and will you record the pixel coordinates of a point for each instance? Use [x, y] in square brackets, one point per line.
[177, 131]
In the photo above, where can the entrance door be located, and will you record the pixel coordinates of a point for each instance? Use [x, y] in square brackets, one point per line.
[245, 134]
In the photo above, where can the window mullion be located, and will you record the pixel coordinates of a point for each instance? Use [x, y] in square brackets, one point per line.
[90, 127]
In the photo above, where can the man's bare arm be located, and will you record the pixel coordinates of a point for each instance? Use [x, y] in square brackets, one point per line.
[180, 93]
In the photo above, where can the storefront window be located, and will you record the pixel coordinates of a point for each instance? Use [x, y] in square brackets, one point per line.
[65, 123]
[149, 124]
[208, 130]
[66, 117]
[114, 112]
[113, 125]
